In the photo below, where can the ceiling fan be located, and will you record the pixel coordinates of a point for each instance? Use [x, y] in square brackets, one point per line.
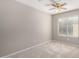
[56, 4]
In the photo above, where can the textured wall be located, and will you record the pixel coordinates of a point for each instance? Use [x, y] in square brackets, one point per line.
[22, 26]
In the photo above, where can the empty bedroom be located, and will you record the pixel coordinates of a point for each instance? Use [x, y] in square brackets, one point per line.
[39, 28]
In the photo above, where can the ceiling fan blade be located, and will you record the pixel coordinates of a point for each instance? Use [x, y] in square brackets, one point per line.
[51, 5]
[54, 5]
[55, 1]
[63, 4]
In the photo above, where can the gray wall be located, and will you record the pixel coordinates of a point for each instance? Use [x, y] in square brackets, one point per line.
[55, 26]
[22, 27]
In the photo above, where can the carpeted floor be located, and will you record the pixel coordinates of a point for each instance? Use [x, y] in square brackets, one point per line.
[52, 49]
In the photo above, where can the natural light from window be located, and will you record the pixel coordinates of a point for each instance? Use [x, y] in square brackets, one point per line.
[68, 26]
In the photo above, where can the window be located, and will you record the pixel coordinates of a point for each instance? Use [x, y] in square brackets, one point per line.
[68, 27]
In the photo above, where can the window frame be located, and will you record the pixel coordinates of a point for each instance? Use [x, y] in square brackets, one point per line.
[64, 35]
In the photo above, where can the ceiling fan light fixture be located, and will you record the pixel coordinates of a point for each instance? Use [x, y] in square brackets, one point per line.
[57, 5]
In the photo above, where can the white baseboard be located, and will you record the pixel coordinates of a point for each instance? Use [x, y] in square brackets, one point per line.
[17, 52]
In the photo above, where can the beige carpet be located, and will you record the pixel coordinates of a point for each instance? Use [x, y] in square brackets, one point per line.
[51, 50]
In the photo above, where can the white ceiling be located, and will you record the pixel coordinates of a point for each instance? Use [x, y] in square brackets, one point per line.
[71, 5]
